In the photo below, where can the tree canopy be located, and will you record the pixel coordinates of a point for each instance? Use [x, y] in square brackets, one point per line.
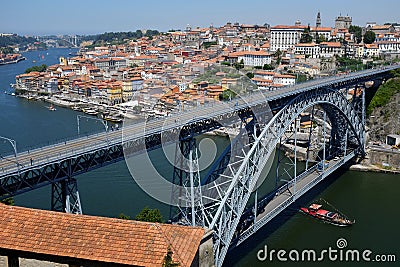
[320, 38]
[117, 37]
[369, 37]
[306, 36]
[15, 40]
[357, 31]
[168, 261]
[40, 68]
[149, 215]
[227, 95]
[384, 93]
[8, 201]
[123, 216]
[6, 50]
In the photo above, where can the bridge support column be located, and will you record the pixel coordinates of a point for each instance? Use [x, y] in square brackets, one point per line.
[65, 196]
[187, 175]
[359, 106]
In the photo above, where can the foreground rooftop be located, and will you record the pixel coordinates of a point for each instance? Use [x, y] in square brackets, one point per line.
[82, 239]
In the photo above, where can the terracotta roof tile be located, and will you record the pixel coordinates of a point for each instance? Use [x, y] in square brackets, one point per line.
[96, 238]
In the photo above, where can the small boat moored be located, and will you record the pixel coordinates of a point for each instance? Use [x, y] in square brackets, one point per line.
[335, 218]
[52, 108]
[90, 111]
[113, 119]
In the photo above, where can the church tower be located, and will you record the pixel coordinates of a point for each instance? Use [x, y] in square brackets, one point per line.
[318, 22]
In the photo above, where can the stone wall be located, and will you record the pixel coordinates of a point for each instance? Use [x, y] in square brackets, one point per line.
[389, 158]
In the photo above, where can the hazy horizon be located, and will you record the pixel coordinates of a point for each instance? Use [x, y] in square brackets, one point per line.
[45, 17]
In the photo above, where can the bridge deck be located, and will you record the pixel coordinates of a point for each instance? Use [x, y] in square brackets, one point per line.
[60, 151]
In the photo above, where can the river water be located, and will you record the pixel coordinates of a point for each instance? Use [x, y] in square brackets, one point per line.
[370, 198]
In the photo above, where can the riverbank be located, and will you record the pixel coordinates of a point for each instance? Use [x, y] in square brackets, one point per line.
[113, 113]
[2, 62]
[372, 168]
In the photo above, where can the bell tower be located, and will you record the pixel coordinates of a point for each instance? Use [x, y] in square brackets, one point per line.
[318, 22]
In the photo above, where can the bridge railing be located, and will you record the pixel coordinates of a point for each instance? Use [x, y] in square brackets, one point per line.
[39, 157]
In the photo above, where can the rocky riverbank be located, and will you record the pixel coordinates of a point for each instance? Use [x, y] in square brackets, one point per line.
[372, 168]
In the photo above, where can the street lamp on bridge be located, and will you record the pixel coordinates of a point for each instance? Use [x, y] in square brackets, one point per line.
[14, 145]
[105, 124]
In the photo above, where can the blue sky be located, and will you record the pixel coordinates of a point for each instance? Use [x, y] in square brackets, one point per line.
[90, 16]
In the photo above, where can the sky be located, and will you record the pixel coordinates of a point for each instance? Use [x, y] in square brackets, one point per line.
[44, 17]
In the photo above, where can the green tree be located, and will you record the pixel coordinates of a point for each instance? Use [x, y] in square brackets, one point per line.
[6, 50]
[250, 75]
[227, 95]
[320, 38]
[239, 65]
[384, 94]
[40, 68]
[369, 37]
[357, 31]
[278, 56]
[8, 201]
[149, 215]
[301, 78]
[15, 40]
[306, 36]
[267, 67]
[168, 261]
[124, 216]
[208, 44]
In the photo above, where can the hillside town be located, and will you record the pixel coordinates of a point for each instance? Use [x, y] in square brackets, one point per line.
[228, 141]
[172, 70]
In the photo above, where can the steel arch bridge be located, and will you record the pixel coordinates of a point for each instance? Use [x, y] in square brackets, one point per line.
[228, 195]
[221, 203]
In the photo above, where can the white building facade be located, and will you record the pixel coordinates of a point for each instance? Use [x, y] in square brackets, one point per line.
[254, 58]
[311, 50]
[285, 37]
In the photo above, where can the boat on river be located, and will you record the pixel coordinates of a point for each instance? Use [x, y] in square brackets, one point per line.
[52, 108]
[90, 111]
[335, 218]
[112, 119]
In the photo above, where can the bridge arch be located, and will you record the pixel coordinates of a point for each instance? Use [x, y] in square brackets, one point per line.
[225, 216]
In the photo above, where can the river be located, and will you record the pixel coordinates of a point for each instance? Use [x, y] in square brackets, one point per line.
[370, 198]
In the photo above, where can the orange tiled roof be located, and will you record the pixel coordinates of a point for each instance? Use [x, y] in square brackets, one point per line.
[306, 44]
[96, 238]
[321, 29]
[331, 44]
[381, 27]
[289, 27]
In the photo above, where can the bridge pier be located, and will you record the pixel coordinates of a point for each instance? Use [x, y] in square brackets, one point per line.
[65, 196]
[187, 175]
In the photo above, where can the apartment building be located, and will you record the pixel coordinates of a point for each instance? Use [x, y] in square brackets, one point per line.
[285, 37]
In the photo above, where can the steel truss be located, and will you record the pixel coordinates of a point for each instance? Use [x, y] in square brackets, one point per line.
[186, 171]
[231, 192]
[65, 196]
[60, 175]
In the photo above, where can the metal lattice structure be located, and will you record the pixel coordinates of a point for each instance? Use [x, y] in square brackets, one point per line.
[65, 196]
[59, 175]
[231, 192]
[221, 201]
